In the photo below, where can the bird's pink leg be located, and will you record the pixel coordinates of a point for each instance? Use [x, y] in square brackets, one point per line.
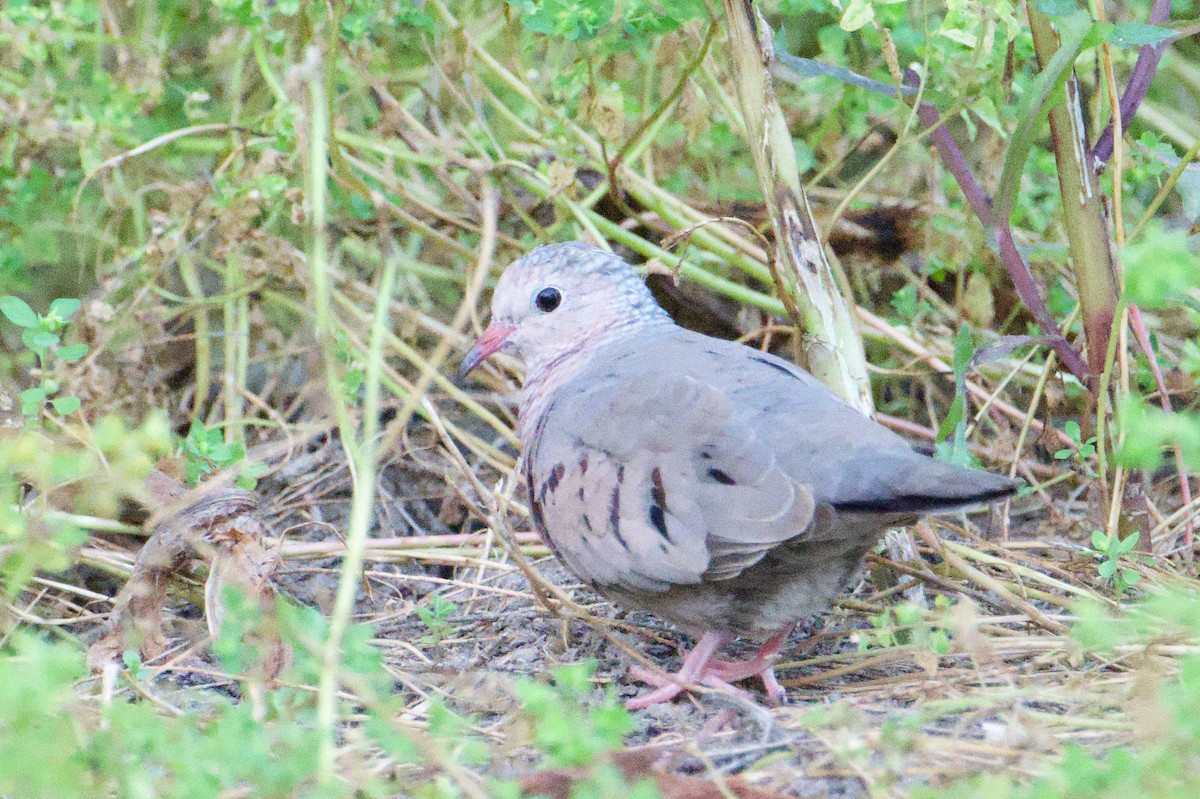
[693, 671]
[763, 665]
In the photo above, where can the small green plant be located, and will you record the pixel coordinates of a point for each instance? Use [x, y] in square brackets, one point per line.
[354, 375]
[908, 307]
[1163, 761]
[1081, 451]
[903, 625]
[87, 477]
[42, 335]
[1113, 553]
[952, 433]
[436, 619]
[205, 451]
[567, 727]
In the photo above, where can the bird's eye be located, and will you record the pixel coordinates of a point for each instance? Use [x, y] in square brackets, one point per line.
[548, 299]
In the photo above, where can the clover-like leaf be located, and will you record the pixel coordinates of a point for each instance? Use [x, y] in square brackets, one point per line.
[32, 399]
[72, 352]
[36, 339]
[65, 405]
[64, 308]
[18, 311]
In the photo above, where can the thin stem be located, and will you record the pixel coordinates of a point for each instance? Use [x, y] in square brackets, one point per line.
[981, 204]
[1135, 91]
[318, 254]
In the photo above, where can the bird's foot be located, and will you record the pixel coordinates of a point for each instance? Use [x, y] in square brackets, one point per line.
[692, 672]
[669, 686]
[701, 668]
[759, 666]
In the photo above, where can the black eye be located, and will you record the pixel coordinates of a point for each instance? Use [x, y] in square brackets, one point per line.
[548, 299]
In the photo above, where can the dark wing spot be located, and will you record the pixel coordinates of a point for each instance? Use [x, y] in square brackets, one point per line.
[587, 522]
[659, 520]
[614, 508]
[658, 491]
[535, 506]
[535, 510]
[778, 367]
[721, 477]
[583, 464]
[555, 476]
[551, 483]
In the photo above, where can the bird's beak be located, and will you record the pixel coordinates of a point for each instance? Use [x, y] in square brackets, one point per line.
[493, 338]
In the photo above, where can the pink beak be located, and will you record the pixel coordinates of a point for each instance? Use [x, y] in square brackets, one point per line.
[493, 338]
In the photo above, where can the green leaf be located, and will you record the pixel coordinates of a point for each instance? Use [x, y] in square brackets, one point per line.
[65, 405]
[1099, 541]
[964, 348]
[956, 418]
[36, 339]
[857, 14]
[248, 477]
[1036, 105]
[571, 19]
[72, 352]
[796, 70]
[1127, 543]
[18, 311]
[1150, 429]
[904, 302]
[1057, 8]
[1160, 267]
[1136, 34]
[132, 660]
[32, 399]
[1131, 577]
[1107, 569]
[64, 307]
[1073, 432]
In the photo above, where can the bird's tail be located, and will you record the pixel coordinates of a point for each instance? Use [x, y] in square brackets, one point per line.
[919, 485]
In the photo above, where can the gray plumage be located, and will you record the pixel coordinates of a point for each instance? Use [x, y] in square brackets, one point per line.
[713, 484]
[719, 486]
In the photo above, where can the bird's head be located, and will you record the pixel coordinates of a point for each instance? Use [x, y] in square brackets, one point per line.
[559, 298]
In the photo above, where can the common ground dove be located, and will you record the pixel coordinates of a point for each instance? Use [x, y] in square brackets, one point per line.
[715, 485]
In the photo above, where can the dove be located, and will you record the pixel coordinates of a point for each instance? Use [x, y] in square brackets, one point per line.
[717, 486]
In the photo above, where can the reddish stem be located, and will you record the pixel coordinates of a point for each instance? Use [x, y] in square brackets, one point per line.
[1135, 91]
[981, 204]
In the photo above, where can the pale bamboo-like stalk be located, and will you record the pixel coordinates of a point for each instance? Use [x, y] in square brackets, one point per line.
[1088, 236]
[833, 346]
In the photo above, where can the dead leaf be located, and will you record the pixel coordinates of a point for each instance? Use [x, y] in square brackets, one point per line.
[977, 303]
[212, 523]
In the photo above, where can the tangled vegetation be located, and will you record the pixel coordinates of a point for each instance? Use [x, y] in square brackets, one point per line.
[254, 541]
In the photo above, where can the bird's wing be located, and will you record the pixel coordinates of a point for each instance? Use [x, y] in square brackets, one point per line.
[852, 463]
[647, 479]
